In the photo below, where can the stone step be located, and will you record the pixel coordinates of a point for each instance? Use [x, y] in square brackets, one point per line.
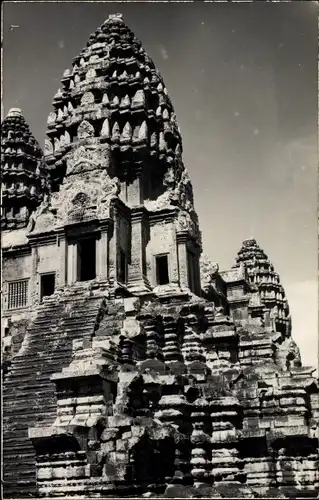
[25, 473]
[10, 431]
[29, 396]
[18, 489]
[22, 396]
[61, 330]
[50, 400]
[18, 436]
[53, 306]
[19, 450]
[36, 347]
[38, 362]
[55, 317]
[11, 462]
[36, 357]
[32, 379]
[43, 387]
[50, 322]
[61, 314]
[36, 340]
[22, 413]
[22, 368]
[64, 351]
[23, 371]
[16, 439]
[27, 457]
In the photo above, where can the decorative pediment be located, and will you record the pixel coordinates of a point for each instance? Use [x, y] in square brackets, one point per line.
[87, 198]
[85, 130]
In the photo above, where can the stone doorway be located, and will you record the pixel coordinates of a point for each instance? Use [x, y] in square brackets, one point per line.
[86, 259]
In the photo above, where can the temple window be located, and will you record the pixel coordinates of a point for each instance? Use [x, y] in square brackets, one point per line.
[162, 275]
[17, 294]
[192, 271]
[86, 259]
[122, 271]
[47, 285]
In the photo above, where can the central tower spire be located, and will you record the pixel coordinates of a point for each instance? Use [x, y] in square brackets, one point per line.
[115, 98]
[114, 153]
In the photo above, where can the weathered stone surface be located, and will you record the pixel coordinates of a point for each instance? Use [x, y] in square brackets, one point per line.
[141, 379]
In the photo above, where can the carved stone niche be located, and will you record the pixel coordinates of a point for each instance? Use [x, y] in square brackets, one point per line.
[80, 207]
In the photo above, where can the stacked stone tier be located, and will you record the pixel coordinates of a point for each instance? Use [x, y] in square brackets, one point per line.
[219, 407]
[261, 272]
[24, 178]
[115, 87]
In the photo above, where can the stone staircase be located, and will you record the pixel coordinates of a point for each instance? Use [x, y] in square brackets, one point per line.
[28, 394]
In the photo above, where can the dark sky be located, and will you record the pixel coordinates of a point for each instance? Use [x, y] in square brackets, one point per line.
[243, 80]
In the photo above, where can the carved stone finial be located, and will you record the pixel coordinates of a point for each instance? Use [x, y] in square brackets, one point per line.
[15, 112]
[115, 17]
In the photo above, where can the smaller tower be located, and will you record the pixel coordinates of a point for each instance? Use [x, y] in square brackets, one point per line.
[261, 272]
[23, 175]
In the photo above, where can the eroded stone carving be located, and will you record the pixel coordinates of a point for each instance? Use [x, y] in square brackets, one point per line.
[85, 130]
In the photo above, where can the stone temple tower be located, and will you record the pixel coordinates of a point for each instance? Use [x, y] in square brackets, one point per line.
[261, 272]
[131, 365]
[121, 190]
[25, 181]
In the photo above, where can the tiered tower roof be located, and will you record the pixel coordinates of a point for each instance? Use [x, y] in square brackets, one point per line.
[24, 178]
[261, 272]
[115, 96]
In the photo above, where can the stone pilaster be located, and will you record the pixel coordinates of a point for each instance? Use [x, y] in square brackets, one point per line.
[137, 279]
[134, 191]
[102, 252]
[113, 246]
[63, 259]
[33, 291]
[72, 262]
[181, 239]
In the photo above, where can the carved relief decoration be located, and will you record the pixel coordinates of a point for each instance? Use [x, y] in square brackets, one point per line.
[85, 130]
[188, 221]
[87, 158]
[87, 197]
[82, 198]
[208, 269]
[43, 218]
